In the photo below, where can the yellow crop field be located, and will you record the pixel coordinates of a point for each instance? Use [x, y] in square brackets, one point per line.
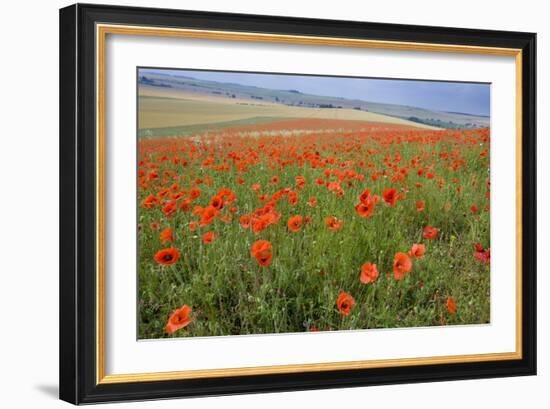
[162, 109]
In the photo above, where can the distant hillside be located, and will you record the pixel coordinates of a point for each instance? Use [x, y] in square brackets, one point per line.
[296, 98]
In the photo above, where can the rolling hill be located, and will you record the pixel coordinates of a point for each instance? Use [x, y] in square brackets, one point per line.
[226, 102]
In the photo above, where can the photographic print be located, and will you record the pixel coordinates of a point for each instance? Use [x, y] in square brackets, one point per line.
[300, 204]
[281, 203]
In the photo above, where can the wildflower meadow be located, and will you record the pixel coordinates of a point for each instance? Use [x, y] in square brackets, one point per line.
[312, 225]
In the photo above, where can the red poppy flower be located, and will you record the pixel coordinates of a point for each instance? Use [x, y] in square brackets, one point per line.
[334, 186]
[150, 202]
[451, 305]
[390, 196]
[194, 193]
[244, 221]
[345, 303]
[420, 206]
[333, 223]
[363, 197]
[402, 265]
[369, 273]
[167, 256]
[169, 208]
[162, 193]
[217, 202]
[262, 252]
[227, 196]
[474, 209]
[295, 223]
[258, 224]
[293, 198]
[417, 251]
[208, 215]
[185, 205]
[166, 235]
[366, 209]
[430, 232]
[177, 196]
[482, 254]
[312, 201]
[300, 182]
[179, 319]
[208, 237]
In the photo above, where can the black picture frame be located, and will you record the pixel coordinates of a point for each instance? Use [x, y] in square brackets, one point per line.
[78, 360]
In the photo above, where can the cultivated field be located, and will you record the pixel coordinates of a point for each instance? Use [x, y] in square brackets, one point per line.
[164, 112]
[308, 224]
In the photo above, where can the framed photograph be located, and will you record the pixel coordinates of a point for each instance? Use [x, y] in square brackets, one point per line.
[257, 203]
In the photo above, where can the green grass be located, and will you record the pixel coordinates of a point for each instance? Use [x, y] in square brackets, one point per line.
[186, 130]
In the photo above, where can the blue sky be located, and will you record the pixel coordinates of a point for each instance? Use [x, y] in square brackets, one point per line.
[472, 98]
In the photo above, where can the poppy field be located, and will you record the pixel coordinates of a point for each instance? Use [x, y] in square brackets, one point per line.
[312, 225]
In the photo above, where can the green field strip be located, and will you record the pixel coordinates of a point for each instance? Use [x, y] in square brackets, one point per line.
[197, 128]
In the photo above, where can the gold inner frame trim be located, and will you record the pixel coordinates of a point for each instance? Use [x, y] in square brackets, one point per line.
[102, 30]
